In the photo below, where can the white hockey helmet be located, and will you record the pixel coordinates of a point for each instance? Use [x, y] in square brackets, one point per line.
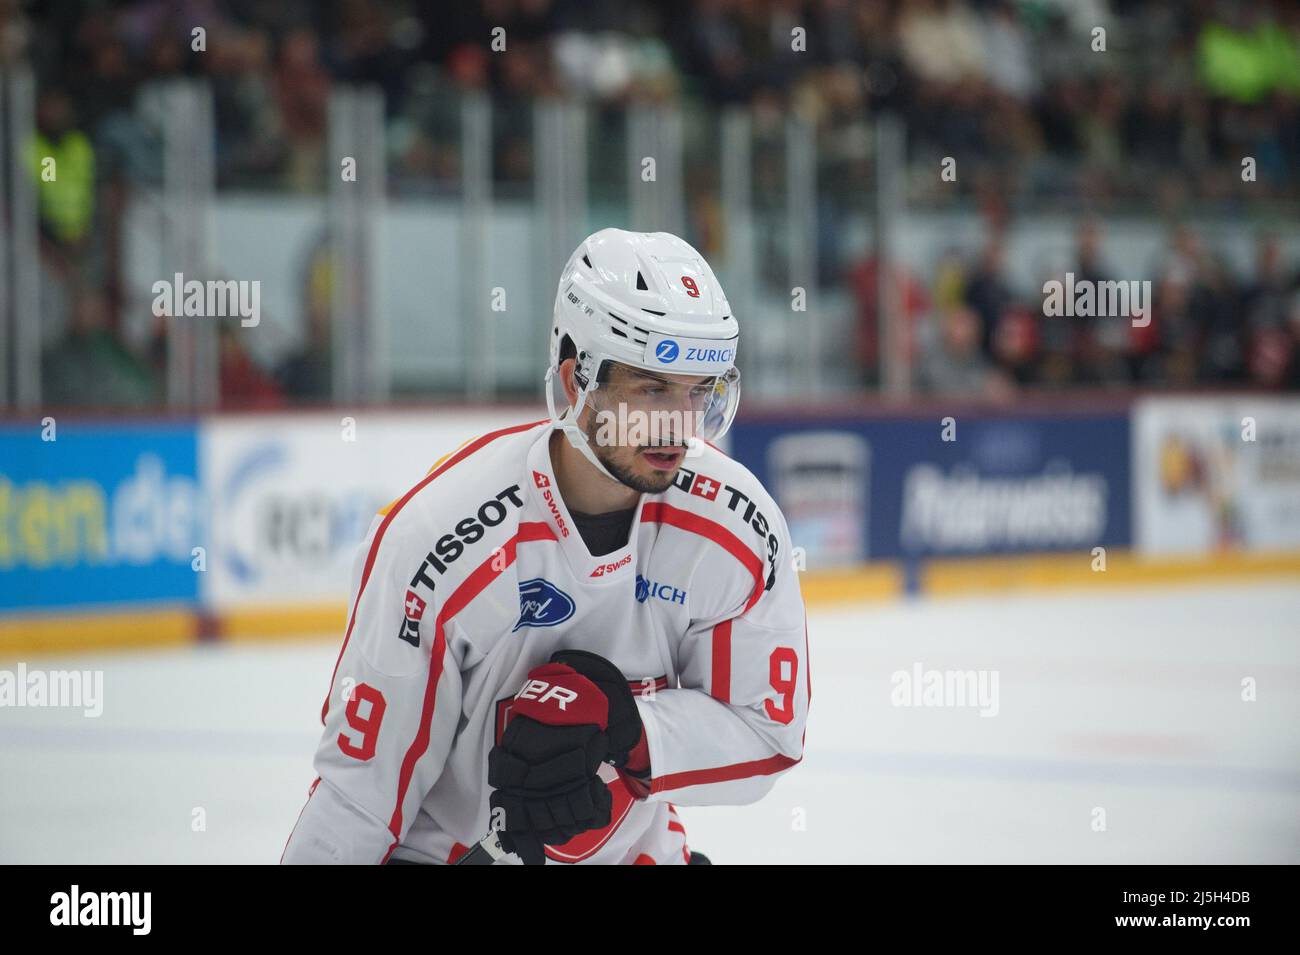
[649, 300]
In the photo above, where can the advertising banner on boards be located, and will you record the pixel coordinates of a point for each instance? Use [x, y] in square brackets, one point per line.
[888, 488]
[98, 515]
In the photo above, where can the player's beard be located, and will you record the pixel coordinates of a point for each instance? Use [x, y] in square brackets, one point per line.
[656, 483]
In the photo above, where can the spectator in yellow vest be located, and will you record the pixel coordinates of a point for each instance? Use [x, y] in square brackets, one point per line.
[63, 162]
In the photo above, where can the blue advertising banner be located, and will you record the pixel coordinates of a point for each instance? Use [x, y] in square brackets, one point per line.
[98, 515]
[872, 489]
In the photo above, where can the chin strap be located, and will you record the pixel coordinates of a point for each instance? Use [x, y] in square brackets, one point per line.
[567, 422]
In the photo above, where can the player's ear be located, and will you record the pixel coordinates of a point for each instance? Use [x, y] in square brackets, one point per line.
[567, 367]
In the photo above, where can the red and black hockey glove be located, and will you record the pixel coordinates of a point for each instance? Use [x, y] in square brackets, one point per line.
[543, 772]
[563, 725]
[627, 745]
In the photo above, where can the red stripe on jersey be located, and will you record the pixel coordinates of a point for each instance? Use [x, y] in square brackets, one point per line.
[421, 741]
[721, 684]
[674, 825]
[699, 777]
[535, 531]
[657, 512]
[459, 456]
[473, 585]
[310, 793]
[807, 666]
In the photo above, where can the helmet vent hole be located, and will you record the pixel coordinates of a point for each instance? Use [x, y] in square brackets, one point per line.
[640, 283]
[586, 261]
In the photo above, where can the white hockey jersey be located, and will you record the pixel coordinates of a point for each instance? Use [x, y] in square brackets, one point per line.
[478, 574]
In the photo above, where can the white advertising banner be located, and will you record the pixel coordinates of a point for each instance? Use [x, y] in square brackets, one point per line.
[292, 495]
[1214, 474]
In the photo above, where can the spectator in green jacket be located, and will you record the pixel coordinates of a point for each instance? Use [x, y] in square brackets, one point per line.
[91, 368]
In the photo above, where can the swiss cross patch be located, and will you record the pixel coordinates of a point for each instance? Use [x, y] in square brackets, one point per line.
[705, 487]
[541, 479]
[414, 606]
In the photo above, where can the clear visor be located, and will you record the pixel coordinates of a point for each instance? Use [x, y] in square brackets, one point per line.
[636, 408]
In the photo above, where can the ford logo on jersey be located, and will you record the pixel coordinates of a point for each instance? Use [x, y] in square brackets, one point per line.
[542, 604]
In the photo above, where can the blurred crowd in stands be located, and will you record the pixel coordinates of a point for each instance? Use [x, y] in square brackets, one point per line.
[972, 331]
[1042, 98]
[1087, 106]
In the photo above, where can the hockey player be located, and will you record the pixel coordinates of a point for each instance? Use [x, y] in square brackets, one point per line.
[569, 626]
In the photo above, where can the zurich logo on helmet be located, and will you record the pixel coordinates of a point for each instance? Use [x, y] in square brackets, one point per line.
[542, 604]
[667, 351]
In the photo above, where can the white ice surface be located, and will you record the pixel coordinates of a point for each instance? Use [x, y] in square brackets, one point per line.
[1128, 703]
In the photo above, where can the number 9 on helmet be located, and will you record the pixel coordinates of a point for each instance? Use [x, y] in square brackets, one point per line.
[650, 301]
